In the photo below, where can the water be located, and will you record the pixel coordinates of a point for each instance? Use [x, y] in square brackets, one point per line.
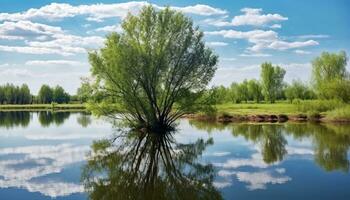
[44, 155]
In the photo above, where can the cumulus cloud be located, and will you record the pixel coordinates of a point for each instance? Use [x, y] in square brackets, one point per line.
[99, 12]
[262, 39]
[25, 29]
[112, 28]
[251, 17]
[313, 36]
[217, 44]
[54, 62]
[298, 51]
[276, 26]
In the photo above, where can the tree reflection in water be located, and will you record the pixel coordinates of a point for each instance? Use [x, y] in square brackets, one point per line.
[142, 165]
[10, 119]
[331, 142]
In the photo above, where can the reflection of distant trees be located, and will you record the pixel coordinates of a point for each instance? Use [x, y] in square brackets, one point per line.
[14, 118]
[84, 119]
[46, 118]
[331, 141]
[148, 166]
[268, 136]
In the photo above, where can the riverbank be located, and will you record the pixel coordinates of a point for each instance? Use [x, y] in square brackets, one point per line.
[316, 111]
[43, 107]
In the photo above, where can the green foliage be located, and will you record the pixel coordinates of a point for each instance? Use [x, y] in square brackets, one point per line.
[254, 90]
[45, 94]
[159, 61]
[318, 105]
[329, 76]
[342, 113]
[298, 90]
[59, 95]
[11, 94]
[84, 92]
[271, 81]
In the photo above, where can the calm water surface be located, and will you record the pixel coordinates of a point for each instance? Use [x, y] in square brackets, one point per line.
[46, 155]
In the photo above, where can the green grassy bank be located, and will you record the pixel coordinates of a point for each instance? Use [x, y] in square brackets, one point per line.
[317, 110]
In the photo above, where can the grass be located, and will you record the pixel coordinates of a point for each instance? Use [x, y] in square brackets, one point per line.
[332, 110]
[255, 109]
[36, 107]
[339, 114]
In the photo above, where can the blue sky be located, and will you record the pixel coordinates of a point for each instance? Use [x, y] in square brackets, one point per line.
[47, 41]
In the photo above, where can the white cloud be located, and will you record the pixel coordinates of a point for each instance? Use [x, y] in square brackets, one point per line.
[99, 12]
[283, 45]
[35, 50]
[112, 28]
[313, 36]
[298, 51]
[54, 62]
[219, 154]
[276, 26]
[26, 29]
[217, 44]
[228, 59]
[262, 39]
[254, 17]
[251, 16]
[201, 9]
[255, 55]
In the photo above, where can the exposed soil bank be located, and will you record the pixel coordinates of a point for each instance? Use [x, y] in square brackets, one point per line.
[225, 118]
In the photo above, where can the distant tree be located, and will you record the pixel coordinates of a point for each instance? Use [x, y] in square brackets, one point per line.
[254, 90]
[84, 92]
[329, 76]
[271, 81]
[59, 95]
[25, 96]
[234, 93]
[298, 90]
[45, 94]
[159, 62]
[243, 92]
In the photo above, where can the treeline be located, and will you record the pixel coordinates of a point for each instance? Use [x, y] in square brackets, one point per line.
[330, 80]
[11, 94]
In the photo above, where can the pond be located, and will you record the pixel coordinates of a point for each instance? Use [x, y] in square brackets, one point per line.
[64, 155]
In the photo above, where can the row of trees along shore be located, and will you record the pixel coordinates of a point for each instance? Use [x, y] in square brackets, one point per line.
[329, 80]
[12, 94]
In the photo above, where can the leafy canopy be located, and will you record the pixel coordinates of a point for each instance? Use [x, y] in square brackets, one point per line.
[158, 62]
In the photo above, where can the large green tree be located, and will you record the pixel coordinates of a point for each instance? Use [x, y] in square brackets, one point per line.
[159, 62]
[45, 94]
[329, 76]
[59, 95]
[271, 81]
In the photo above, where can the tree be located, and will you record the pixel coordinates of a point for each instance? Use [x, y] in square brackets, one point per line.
[254, 90]
[25, 96]
[159, 62]
[329, 76]
[298, 90]
[271, 81]
[59, 95]
[45, 94]
[84, 92]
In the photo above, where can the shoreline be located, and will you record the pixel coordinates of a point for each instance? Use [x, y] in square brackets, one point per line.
[263, 118]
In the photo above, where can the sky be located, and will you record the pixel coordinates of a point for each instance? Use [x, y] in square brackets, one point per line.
[46, 42]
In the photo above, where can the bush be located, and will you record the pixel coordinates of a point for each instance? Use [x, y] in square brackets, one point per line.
[342, 113]
[318, 105]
